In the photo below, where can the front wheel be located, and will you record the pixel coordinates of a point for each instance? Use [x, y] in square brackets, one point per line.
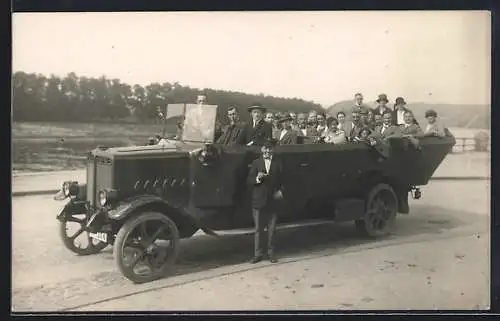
[381, 210]
[146, 247]
[80, 241]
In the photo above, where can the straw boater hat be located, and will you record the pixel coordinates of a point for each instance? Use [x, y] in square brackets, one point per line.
[257, 106]
[382, 97]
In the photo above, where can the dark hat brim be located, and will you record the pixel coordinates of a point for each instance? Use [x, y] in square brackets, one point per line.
[285, 119]
[257, 107]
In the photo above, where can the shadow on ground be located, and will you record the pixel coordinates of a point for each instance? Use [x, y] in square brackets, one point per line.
[206, 252]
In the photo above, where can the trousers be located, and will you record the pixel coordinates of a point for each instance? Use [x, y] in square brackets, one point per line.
[265, 228]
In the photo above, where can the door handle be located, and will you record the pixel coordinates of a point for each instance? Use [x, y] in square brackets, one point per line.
[304, 164]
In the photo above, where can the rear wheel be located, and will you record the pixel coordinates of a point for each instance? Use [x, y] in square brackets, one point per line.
[146, 247]
[79, 241]
[381, 210]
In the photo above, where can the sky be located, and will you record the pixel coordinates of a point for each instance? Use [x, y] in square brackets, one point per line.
[325, 57]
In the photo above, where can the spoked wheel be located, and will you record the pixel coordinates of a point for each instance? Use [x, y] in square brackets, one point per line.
[381, 210]
[76, 238]
[146, 247]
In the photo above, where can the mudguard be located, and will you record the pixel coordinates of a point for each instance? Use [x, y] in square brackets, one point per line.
[71, 208]
[130, 205]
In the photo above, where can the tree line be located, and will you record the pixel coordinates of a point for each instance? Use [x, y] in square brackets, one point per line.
[73, 98]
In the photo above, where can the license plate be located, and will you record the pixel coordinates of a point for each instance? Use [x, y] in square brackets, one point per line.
[103, 237]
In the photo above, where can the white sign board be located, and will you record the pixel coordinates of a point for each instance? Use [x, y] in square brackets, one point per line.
[199, 123]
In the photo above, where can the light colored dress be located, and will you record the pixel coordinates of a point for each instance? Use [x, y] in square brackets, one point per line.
[436, 129]
[335, 137]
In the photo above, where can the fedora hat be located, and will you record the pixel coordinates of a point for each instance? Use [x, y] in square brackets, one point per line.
[285, 118]
[400, 101]
[257, 106]
[382, 97]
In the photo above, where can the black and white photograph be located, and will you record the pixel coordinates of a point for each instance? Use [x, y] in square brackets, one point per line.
[251, 161]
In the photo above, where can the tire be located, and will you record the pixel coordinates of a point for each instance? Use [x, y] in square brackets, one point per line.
[379, 217]
[125, 239]
[69, 242]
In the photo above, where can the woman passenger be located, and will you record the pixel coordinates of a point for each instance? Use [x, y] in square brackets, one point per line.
[341, 120]
[364, 136]
[322, 127]
[411, 130]
[334, 135]
[434, 127]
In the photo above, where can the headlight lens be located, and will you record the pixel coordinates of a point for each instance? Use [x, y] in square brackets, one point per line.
[103, 198]
[107, 196]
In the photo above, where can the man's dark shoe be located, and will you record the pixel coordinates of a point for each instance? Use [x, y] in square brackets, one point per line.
[256, 259]
[273, 259]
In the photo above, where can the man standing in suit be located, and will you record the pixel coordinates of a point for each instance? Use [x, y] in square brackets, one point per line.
[235, 132]
[258, 131]
[382, 105]
[398, 114]
[359, 105]
[387, 129]
[266, 178]
[287, 135]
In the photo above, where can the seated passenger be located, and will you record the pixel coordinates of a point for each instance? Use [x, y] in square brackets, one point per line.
[434, 127]
[308, 133]
[342, 122]
[287, 135]
[364, 136]
[312, 118]
[387, 129]
[410, 128]
[322, 127]
[235, 132]
[355, 125]
[377, 120]
[334, 135]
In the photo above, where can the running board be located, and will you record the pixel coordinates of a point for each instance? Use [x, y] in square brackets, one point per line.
[279, 226]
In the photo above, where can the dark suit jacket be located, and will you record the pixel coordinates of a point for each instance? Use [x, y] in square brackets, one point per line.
[258, 134]
[353, 131]
[377, 111]
[289, 138]
[310, 131]
[395, 118]
[391, 131]
[233, 135]
[262, 194]
[413, 130]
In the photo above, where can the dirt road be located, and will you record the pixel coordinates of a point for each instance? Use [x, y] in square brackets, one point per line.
[438, 257]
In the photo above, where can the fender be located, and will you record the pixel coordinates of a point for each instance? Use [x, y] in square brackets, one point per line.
[71, 208]
[127, 207]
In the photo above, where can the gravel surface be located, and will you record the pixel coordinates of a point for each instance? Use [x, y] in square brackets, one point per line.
[446, 238]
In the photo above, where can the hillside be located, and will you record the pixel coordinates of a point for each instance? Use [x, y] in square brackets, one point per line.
[452, 115]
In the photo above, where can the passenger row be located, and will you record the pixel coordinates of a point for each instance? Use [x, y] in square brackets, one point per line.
[366, 125]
